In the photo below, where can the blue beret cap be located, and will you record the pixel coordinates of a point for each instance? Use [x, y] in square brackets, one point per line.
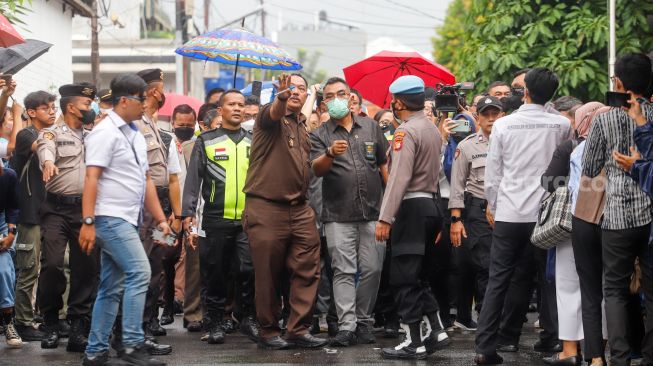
[407, 84]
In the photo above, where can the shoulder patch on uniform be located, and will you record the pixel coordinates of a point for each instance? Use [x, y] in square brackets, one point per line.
[398, 142]
[48, 135]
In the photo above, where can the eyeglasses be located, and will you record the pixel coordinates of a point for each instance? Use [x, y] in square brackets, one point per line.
[139, 98]
[48, 109]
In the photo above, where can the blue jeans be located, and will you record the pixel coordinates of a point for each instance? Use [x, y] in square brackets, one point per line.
[7, 271]
[125, 271]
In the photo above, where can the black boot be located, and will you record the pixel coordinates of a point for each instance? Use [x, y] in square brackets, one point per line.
[155, 328]
[249, 326]
[78, 338]
[64, 328]
[167, 317]
[436, 337]
[51, 338]
[216, 333]
[411, 348]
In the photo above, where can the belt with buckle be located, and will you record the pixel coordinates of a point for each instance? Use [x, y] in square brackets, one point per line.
[475, 201]
[64, 200]
[410, 195]
[294, 202]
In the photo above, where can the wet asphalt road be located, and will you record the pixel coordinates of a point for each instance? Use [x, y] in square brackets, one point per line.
[189, 350]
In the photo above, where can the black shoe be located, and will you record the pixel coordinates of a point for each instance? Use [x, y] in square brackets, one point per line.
[78, 338]
[315, 326]
[155, 349]
[344, 338]
[64, 328]
[228, 325]
[364, 333]
[332, 329]
[249, 327]
[28, 333]
[51, 338]
[308, 341]
[194, 326]
[167, 318]
[155, 328]
[557, 361]
[274, 343]
[547, 346]
[404, 352]
[177, 307]
[216, 333]
[139, 356]
[493, 359]
[436, 341]
[508, 348]
[99, 360]
[469, 325]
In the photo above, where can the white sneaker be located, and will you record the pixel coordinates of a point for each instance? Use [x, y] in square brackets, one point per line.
[13, 339]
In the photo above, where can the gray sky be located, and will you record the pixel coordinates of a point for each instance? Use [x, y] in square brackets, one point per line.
[410, 22]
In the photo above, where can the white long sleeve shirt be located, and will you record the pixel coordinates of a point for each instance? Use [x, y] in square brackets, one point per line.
[521, 147]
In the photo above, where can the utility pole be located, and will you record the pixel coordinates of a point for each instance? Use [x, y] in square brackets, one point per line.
[263, 71]
[207, 7]
[180, 22]
[95, 52]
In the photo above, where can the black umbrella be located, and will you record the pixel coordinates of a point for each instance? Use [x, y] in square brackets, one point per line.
[14, 58]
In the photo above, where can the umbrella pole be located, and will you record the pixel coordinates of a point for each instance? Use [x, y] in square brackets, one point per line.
[236, 70]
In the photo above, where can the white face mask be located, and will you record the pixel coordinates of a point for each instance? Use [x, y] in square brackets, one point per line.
[105, 110]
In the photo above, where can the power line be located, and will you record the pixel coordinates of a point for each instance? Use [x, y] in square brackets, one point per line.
[415, 10]
[356, 21]
[403, 9]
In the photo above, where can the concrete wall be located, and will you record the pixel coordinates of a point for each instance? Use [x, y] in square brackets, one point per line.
[49, 23]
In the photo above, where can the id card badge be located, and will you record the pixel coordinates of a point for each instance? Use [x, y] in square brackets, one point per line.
[370, 151]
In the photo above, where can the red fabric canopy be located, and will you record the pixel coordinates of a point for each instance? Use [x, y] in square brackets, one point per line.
[173, 100]
[8, 35]
[373, 75]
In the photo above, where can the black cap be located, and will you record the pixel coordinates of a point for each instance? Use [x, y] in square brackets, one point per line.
[104, 95]
[78, 90]
[151, 75]
[488, 101]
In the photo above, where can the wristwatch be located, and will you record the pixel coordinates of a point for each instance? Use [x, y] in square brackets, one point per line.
[455, 219]
[328, 153]
[12, 230]
[89, 220]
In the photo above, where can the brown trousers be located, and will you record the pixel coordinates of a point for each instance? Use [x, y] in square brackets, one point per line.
[283, 237]
[192, 301]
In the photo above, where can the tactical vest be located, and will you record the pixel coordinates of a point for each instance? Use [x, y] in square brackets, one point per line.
[224, 179]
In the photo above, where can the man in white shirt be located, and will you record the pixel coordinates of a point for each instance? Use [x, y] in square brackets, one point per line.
[117, 187]
[521, 147]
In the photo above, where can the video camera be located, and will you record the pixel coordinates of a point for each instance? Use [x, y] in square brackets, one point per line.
[449, 97]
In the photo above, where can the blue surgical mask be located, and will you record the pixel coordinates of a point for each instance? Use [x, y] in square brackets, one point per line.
[338, 108]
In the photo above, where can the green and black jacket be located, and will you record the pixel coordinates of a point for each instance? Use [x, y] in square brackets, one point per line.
[218, 165]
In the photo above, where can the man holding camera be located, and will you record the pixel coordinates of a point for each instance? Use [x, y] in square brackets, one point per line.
[467, 193]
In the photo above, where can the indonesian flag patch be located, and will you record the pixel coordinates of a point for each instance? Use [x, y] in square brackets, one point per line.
[398, 142]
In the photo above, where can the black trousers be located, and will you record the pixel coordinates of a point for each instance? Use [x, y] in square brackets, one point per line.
[170, 258]
[472, 262]
[586, 242]
[439, 264]
[218, 250]
[60, 226]
[385, 302]
[413, 234]
[548, 305]
[511, 266]
[620, 248]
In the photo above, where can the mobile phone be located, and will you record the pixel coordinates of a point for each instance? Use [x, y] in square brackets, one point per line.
[6, 77]
[157, 235]
[616, 99]
[462, 126]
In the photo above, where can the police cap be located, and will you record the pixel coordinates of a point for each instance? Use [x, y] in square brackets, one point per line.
[87, 90]
[487, 102]
[151, 75]
[104, 95]
[407, 84]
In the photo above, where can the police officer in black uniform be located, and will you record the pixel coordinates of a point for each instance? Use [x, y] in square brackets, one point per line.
[61, 153]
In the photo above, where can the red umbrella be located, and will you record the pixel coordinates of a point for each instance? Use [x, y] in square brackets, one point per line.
[373, 75]
[8, 35]
[173, 100]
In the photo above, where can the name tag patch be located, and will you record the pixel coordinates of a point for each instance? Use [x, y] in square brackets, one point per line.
[220, 154]
[369, 150]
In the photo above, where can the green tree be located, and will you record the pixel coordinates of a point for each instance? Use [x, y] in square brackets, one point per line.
[13, 10]
[488, 40]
